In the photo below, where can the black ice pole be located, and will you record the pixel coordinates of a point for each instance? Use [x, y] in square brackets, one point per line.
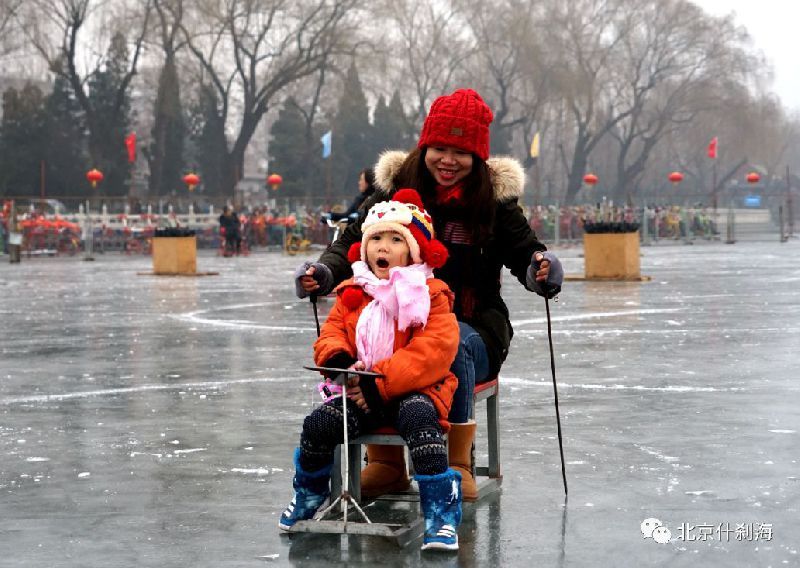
[555, 392]
[316, 315]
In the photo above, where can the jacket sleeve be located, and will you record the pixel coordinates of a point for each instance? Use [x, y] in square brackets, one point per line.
[516, 240]
[427, 357]
[335, 256]
[333, 339]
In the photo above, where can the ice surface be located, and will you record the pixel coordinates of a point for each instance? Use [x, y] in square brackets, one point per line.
[150, 421]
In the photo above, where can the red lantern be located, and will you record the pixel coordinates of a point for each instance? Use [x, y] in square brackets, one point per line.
[274, 181]
[675, 177]
[753, 177]
[94, 176]
[590, 179]
[191, 180]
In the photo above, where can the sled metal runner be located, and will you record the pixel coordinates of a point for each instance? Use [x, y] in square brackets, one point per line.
[338, 518]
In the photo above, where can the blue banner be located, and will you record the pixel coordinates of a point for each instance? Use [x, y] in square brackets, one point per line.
[752, 201]
[326, 144]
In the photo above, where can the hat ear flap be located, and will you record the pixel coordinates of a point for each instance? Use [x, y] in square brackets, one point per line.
[435, 254]
[354, 254]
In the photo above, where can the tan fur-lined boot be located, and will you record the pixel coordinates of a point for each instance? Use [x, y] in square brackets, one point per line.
[459, 454]
[385, 471]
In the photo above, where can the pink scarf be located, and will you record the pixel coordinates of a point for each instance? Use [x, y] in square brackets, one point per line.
[403, 298]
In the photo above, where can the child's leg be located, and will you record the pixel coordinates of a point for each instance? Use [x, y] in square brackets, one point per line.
[418, 424]
[439, 486]
[322, 431]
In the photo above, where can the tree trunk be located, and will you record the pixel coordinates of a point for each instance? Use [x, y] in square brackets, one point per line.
[580, 158]
[234, 164]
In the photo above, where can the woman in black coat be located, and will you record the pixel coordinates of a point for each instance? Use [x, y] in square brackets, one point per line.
[474, 201]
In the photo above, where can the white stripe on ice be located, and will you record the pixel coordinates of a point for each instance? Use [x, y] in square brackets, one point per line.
[198, 317]
[140, 388]
[657, 454]
[519, 382]
[259, 471]
[238, 324]
[595, 315]
[674, 331]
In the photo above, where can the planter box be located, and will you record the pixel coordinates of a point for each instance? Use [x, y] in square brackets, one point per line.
[611, 256]
[174, 255]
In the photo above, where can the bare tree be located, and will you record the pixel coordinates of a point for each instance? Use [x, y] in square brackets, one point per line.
[508, 66]
[9, 31]
[164, 156]
[586, 36]
[664, 67]
[771, 135]
[250, 50]
[57, 28]
[426, 40]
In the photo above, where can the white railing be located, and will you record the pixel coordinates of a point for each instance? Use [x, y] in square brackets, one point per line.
[129, 220]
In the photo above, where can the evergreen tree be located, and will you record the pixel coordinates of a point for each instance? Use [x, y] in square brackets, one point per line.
[399, 119]
[391, 128]
[207, 145]
[381, 127]
[65, 143]
[169, 130]
[352, 137]
[111, 118]
[22, 141]
[292, 156]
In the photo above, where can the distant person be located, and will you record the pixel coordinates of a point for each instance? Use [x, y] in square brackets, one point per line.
[259, 223]
[366, 187]
[229, 228]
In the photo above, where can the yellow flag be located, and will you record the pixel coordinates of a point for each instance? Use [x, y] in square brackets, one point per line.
[535, 146]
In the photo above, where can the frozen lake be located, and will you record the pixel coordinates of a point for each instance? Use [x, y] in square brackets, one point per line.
[150, 421]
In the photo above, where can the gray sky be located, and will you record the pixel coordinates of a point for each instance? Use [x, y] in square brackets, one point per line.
[773, 27]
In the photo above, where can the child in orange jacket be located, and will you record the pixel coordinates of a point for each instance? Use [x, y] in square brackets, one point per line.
[394, 318]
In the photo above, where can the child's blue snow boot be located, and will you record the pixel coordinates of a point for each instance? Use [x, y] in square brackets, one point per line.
[440, 499]
[311, 489]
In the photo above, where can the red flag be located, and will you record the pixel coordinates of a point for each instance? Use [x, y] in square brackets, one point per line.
[712, 148]
[130, 144]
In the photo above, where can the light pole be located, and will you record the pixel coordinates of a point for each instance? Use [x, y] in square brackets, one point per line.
[94, 176]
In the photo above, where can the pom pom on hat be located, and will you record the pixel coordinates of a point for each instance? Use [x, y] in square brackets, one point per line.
[408, 196]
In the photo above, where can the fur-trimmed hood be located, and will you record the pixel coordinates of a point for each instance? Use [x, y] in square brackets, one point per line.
[507, 175]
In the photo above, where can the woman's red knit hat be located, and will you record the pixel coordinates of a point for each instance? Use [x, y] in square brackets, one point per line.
[461, 120]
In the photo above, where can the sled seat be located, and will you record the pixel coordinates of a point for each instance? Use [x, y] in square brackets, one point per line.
[487, 475]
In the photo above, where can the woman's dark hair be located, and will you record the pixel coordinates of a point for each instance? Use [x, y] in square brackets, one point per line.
[478, 200]
[369, 177]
